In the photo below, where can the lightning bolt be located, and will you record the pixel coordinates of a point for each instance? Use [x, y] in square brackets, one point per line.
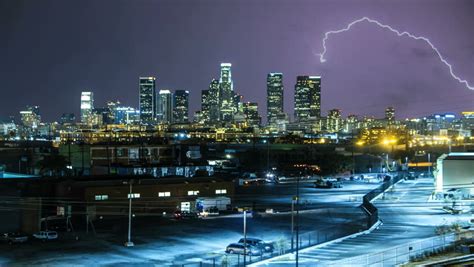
[400, 34]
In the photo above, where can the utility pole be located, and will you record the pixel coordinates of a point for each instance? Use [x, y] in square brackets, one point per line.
[129, 243]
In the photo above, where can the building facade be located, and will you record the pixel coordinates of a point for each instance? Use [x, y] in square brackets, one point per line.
[274, 96]
[181, 106]
[165, 106]
[147, 100]
[87, 105]
[307, 97]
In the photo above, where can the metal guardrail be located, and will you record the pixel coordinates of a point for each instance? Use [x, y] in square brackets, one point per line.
[370, 210]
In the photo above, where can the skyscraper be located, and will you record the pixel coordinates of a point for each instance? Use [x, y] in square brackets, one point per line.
[214, 101]
[181, 106]
[30, 117]
[226, 93]
[147, 100]
[204, 114]
[87, 105]
[307, 97]
[390, 115]
[165, 106]
[252, 117]
[274, 96]
[334, 121]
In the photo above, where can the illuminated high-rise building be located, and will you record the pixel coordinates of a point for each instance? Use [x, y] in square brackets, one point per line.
[334, 121]
[165, 106]
[181, 106]
[390, 115]
[87, 105]
[213, 100]
[30, 117]
[226, 93]
[147, 99]
[307, 97]
[274, 96]
[204, 113]
[252, 117]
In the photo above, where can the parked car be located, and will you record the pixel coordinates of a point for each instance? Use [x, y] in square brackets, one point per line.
[14, 238]
[184, 215]
[264, 246]
[46, 235]
[327, 184]
[238, 248]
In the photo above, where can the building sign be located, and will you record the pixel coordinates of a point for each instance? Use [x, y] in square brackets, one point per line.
[186, 171]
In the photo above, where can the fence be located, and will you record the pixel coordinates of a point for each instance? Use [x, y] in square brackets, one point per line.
[413, 251]
[281, 246]
[307, 239]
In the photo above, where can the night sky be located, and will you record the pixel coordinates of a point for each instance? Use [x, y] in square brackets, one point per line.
[51, 50]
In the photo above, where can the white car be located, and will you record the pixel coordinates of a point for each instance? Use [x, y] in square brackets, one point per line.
[46, 235]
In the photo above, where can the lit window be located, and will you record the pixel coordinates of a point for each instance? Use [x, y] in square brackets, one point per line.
[193, 193]
[101, 197]
[134, 195]
[164, 194]
[221, 191]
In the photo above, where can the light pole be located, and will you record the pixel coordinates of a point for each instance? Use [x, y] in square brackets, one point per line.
[297, 217]
[245, 237]
[129, 243]
[292, 221]
[429, 164]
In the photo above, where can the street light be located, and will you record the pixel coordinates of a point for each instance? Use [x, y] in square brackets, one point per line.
[245, 237]
[129, 242]
[292, 221]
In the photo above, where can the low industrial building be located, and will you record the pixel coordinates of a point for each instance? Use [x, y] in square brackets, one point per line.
[455, 170]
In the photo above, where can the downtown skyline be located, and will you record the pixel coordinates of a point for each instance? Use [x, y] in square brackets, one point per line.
[358, 79]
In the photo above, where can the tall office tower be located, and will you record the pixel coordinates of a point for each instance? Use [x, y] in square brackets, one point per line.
[30, 117]
[237, 102]
[390, 115]
[204, 114]
[307, 97]
[274, 96]
[181, 106]
[333, 121]
[250, 111]
[147, 99]
[111, 108]
[214, 100]
[165, 106]
[226, 96]
[87, 105]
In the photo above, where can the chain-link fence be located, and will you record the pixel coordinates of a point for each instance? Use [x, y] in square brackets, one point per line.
[281, 246]
[413, 251]
[287, 245]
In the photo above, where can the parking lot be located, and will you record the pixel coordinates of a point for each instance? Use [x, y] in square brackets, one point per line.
[162, 241]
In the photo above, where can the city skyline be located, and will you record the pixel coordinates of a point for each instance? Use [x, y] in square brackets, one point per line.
[393, 71]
